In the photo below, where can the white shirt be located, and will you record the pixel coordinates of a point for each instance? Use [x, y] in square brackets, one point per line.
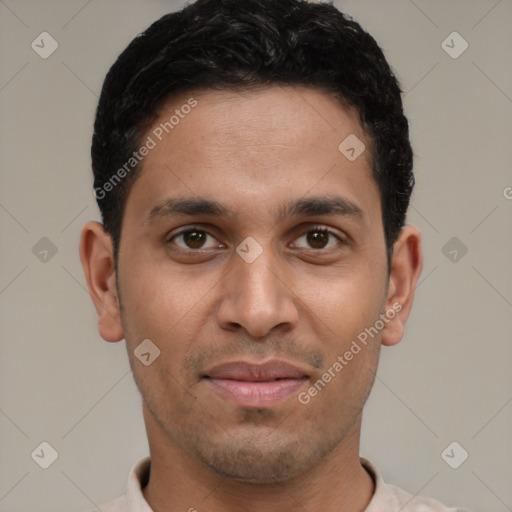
[386, 498]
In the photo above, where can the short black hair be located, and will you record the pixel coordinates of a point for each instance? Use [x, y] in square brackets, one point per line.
[234, 44]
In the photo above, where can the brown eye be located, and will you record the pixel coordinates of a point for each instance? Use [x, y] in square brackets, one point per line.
[319, 238]
[194, 238]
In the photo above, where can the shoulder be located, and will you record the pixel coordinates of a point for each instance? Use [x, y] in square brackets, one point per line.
[133, 500]
[410, 503]
[117, 505]
[390, 497]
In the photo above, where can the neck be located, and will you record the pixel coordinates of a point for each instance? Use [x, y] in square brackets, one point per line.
[179, 482]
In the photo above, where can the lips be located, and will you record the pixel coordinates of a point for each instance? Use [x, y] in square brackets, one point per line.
[256, 385]
[243, 371]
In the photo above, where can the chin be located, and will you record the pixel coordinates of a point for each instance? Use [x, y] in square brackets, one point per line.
[259, 460]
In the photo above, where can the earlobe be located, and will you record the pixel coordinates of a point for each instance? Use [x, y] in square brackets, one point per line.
[97, 257]
[406, 266]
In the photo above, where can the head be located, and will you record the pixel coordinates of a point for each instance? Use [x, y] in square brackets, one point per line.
[228, 119]
[228, 45]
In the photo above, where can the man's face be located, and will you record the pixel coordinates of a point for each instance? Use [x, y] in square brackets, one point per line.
[303, 300]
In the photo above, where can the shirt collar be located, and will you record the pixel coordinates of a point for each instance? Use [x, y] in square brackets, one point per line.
[138, 478]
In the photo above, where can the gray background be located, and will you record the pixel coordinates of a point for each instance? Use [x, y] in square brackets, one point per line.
[448, 380]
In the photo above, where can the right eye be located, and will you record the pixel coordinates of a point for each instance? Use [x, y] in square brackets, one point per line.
[192, 239]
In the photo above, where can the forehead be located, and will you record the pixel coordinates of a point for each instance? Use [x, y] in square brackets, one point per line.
[257, 116]
[258, 146]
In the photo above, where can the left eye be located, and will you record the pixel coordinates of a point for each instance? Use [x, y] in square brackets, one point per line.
[318, 239]
[193, 239]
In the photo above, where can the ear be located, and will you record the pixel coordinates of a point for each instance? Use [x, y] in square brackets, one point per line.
[406, 265]
[97, 257]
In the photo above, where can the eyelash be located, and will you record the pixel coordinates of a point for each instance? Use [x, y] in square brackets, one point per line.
[320, 229]
[317, 229]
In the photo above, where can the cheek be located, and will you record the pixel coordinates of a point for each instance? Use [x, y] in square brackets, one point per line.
[342, 318]
[346, 302]
[155, 300]
[162, 390]
[340, 312]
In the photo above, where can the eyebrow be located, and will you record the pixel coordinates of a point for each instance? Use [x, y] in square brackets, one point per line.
[313, 206]
[310, 206]
[190, 206]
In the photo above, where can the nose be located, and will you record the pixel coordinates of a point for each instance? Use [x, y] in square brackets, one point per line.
[257, 297]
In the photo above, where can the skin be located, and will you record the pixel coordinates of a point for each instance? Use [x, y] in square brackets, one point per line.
[304, 300]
